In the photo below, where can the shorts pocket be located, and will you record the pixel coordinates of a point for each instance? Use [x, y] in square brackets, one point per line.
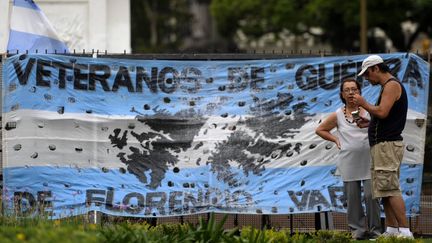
[386, 180]
[399, 149]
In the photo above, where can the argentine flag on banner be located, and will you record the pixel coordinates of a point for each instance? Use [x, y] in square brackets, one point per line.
[31, 31]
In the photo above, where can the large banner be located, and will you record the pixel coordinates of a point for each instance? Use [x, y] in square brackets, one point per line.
[154, 138]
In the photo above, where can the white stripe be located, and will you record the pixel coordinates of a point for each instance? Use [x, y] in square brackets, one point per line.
[31, 21]
[71, 130]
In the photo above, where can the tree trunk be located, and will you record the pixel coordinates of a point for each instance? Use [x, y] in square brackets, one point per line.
[151, 12]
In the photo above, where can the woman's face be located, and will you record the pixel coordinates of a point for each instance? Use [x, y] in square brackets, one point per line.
[348, 91]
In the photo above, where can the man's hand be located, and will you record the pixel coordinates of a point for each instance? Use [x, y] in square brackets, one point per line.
[362, 122]
[359, 100]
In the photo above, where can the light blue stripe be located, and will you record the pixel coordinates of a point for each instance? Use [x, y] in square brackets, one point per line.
[270, 190]
[122, 102]
[26, 4]
[23, 42]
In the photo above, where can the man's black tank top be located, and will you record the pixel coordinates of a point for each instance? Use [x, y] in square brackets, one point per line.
[391, 127]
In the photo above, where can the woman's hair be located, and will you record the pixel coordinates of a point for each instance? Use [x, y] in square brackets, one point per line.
[342, 85]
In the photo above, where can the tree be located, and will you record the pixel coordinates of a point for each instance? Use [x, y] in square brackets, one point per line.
[421, 14]
[159, 25]
[255, 17]
[339, 20]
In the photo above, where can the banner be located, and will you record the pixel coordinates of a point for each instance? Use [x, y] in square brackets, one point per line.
[154, 138]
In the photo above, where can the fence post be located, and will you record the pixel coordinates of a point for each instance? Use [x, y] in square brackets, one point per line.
[318, 225]
[152, 221]
[329, 217]
[94, 217]
[322, 220]
[265, 222]
[291, 219]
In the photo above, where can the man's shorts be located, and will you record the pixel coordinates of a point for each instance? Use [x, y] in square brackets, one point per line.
[385, 168]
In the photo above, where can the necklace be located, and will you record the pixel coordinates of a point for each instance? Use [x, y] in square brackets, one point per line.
[346, 118]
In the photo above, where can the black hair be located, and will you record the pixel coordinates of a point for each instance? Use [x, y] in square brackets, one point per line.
[346, 81]
[383, 67]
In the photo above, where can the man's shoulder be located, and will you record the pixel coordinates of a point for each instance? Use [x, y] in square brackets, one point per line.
[394, 85]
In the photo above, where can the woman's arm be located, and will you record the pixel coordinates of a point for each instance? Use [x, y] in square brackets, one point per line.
[323, 130]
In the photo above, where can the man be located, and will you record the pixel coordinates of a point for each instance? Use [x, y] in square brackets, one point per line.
[388, 119]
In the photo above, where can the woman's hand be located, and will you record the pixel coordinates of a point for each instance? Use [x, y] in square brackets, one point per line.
[337, 142]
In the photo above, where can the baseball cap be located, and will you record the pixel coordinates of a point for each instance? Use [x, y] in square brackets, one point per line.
[369, 62]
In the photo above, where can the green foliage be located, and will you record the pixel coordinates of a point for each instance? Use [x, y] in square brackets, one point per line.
[125, 232]
[277, 235]
[173, 233]
[211, 231]
[250, 234]
[300, 238]
[395, 239]
[329, 236]
[47, 231]
[339, 19]
[159, 25]
[255, 17]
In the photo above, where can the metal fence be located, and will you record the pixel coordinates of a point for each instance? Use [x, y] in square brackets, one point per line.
[420, 225]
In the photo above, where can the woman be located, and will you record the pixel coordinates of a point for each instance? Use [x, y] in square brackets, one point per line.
[353, 161]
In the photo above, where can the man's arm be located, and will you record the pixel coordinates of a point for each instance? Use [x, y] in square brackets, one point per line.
[390, 95]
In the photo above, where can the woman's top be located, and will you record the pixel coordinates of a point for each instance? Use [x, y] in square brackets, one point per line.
[354, 156]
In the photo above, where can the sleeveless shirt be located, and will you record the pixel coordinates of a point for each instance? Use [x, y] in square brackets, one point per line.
[391, 127]
[353, 162]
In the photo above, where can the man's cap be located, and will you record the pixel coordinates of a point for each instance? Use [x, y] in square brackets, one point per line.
[369, 62]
